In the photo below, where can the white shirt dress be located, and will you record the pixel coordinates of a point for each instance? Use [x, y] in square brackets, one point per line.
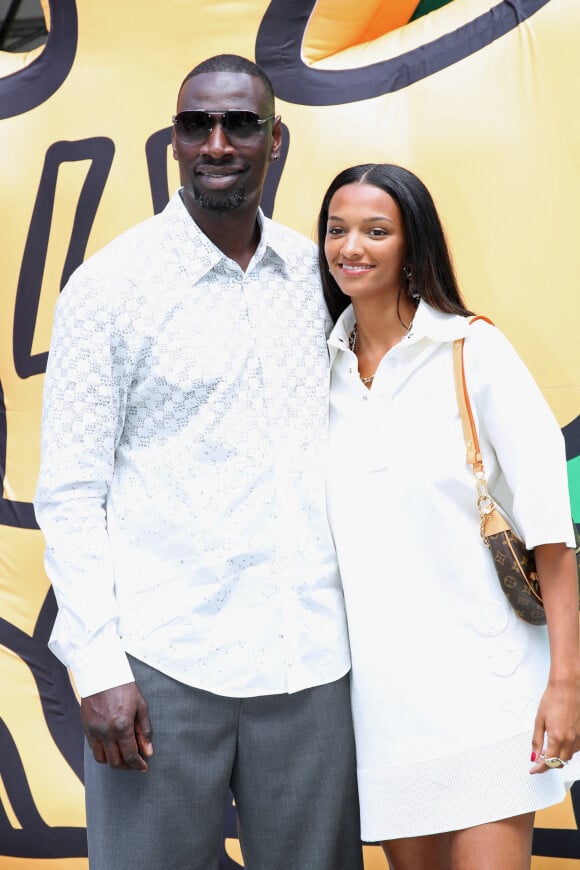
[446, 679]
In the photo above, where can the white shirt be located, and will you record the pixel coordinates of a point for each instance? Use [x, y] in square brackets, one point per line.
[182, 492]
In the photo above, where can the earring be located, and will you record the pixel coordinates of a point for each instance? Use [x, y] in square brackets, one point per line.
[411, 292]
[275, 156]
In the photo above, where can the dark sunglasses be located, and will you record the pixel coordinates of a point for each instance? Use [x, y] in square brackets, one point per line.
[194, 126]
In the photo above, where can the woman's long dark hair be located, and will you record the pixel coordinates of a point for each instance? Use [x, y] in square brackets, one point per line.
[427, 254]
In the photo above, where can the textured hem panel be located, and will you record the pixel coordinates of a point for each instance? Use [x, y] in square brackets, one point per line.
[474, 787]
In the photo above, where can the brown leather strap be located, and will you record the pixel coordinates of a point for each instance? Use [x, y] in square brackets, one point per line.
[492, 520]
[469, 431]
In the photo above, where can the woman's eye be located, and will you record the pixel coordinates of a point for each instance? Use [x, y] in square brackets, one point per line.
[377, 232]
[335, 231]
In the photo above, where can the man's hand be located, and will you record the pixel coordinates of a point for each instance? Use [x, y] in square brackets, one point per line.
[117, 726]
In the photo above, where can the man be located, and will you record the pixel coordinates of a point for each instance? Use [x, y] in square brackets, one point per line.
[181, 495]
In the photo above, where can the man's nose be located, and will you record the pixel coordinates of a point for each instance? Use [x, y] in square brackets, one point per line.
[216, 141]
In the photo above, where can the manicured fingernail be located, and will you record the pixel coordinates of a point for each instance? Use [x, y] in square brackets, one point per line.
[534, 756]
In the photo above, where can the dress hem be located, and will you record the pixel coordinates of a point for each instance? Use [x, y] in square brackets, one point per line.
[471, 788]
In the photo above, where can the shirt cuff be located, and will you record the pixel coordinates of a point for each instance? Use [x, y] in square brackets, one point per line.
[101, 665]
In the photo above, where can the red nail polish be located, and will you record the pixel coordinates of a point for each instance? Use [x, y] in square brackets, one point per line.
[534, 756]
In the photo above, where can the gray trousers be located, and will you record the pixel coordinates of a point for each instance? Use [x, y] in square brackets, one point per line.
[289, 761]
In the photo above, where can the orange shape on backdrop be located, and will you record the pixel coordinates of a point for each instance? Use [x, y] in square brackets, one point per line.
[339, 24]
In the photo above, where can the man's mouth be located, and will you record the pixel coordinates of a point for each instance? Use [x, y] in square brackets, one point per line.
[218, 171]
[218, 177]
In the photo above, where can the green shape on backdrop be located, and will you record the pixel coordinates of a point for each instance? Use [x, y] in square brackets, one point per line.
[427, 6]
[574, 487]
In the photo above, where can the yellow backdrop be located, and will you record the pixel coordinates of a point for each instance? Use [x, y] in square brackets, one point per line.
[481, 103]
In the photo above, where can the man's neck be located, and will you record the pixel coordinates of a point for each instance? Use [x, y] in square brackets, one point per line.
[236, 232]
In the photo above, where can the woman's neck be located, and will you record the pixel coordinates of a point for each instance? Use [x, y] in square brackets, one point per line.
[381, 325]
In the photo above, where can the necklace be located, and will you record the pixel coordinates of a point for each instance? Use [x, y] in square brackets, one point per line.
[352, 345]
[352, 339]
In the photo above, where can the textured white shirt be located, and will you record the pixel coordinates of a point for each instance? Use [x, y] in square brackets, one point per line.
[182, 492]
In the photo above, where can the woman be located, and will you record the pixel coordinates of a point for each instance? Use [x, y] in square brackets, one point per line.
[451, 691]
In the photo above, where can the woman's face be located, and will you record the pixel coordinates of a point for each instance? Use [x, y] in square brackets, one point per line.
[365, 241]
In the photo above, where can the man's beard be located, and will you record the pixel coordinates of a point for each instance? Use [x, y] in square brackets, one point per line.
[217, 204]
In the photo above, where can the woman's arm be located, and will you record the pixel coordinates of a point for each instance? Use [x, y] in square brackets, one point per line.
[558, 714]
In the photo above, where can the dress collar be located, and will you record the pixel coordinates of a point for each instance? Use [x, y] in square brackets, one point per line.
[428, 323]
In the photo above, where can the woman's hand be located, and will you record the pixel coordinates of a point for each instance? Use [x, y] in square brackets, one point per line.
[557, 726]
[558, 722]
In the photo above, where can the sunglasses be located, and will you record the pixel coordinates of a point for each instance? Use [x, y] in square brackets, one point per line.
[194, 126]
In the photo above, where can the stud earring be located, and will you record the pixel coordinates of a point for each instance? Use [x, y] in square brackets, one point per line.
[275, 157]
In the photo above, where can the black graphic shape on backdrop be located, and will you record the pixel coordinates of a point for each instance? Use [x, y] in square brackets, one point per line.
[59, 704]
[559, 842]
[230, 832]
[28, 88]
[35, 839]
[99, 150]
[156, 155]
[279, 51]
[18, 514]
[571, 434]
[274, 175]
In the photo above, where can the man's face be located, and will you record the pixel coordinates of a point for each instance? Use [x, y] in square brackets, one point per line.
[221, 173]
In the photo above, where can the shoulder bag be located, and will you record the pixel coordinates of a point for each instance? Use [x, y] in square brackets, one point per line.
[514, 564]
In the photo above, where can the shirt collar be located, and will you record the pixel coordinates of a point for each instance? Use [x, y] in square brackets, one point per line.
[339, 337]
[437, 325]
[428, 323]
[276, 238]
[207, 255]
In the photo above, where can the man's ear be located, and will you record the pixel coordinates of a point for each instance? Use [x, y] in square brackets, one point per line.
[276, 138]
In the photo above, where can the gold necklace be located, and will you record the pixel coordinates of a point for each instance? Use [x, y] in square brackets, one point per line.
[352, 345]
[352, 338]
